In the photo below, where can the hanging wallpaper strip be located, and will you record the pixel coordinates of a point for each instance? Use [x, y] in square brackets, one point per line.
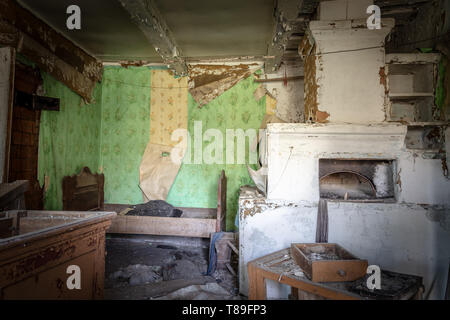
[168, 108]
[168, 112]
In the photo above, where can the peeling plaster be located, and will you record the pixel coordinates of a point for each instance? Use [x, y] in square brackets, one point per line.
[286, 98]
[322, 116]
[307, 51]
[208, 81]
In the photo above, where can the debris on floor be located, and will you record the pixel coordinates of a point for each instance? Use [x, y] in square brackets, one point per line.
[209, 291]
[137, 274]
[139, 268]
[314, 256]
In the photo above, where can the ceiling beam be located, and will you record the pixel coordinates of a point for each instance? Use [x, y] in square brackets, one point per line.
[23, 21]
[46, 60]
[48, 49]
[150, 21]
[288, 15]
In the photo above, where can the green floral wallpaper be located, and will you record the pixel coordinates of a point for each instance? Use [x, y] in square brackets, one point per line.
[111, 134]
[124, 131]
[196, 185]
[69, 139]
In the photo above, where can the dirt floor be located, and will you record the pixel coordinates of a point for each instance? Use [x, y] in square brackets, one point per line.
[152, 267]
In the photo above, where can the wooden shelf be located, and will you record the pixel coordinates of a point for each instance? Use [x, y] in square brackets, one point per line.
[422, 124]
[410, 95]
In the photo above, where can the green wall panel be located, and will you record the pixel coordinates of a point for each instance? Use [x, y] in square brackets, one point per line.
[196, 184]
[124, 131]
[68, 140]
[111, 135]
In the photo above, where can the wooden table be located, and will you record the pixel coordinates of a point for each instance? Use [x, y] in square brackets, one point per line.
[280, 267]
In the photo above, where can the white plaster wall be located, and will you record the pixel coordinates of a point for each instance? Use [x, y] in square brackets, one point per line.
[422, 180]
[275, 228]
[290, 98]
[6, 58]
[294, 151]
[402, 236]
[350, 58]
[397, 237]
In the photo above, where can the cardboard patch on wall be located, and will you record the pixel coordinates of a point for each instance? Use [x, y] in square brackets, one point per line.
[157, 171]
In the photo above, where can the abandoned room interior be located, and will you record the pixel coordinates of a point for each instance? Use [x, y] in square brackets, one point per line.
[225, 150]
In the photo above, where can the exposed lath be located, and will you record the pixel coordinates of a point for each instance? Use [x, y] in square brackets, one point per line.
[148, 18]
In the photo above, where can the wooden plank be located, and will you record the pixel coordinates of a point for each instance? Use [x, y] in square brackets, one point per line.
[6, 227]
[221, 203]
[184, 227]
[326, 292]
[303, 295]
[251, 274]
[261, 289]
[53, 41]
[35, 102]
[61, 70]
[83, 191]
[7, 70]
[279, 79]
[340, 270]
[51, 63]
[203, 213]
[84, 219]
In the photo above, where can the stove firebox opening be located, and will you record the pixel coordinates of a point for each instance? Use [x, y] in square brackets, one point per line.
[357, 180]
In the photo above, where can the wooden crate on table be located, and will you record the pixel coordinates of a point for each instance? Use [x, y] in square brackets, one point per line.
[328, 262]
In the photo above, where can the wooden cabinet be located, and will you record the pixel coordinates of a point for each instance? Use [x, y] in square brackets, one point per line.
[34, 264]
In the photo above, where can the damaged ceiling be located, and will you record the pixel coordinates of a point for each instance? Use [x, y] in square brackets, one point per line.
[201, 28]
[107, 32]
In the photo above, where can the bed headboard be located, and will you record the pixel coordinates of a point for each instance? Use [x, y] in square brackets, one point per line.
[221, 220]
[83, 191]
